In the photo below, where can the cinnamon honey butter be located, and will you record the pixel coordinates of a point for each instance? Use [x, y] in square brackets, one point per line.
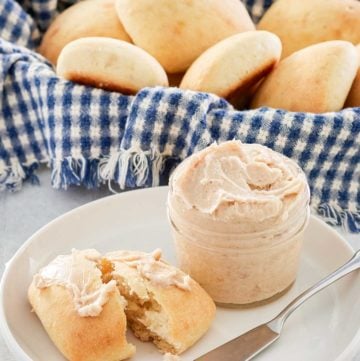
[238, 214]
[79, 272]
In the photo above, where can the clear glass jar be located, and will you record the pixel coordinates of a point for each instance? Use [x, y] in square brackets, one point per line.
[236, 262]
[246, 268]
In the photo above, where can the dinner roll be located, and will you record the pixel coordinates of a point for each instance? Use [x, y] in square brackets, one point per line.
[164, 305]
[353, 99]
[110, 64]
[85, 300]
[177, 32]
[231, 67]
[84, 19]
[83, 316]
[300, 23]
[315, 79]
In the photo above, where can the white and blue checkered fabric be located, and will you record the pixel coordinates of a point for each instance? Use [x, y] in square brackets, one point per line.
[90, 136]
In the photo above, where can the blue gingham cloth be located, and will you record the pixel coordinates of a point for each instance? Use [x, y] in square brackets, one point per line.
[90, 136]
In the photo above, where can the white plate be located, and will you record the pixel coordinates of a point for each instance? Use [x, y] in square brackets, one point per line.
[324, 329]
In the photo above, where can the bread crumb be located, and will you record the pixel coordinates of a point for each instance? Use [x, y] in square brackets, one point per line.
[171, 357]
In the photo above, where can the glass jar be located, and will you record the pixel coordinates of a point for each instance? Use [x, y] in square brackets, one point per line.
[241, 274]
[233, 266]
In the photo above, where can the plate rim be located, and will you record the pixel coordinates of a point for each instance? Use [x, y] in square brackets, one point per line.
[18, 351]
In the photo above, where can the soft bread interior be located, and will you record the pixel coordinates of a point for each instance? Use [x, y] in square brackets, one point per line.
[146, 328]
[145, 316]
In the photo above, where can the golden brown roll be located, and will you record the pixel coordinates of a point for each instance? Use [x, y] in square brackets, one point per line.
[300, 23]
[164, 305]
[110, 64]
[177, 32]
[83, 316]
[85, 300]
[353, 99]
[315, 79]
[84, 19]
[233, 66]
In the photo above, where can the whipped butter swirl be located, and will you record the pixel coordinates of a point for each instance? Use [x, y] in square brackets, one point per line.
[249, 187]
[79, 274]
[151, 267]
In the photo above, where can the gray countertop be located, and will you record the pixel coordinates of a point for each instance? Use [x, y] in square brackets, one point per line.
[22, 213]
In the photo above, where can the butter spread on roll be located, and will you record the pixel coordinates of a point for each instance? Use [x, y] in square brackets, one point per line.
[85, 297]
[151, 267]
[75, 272]
[82, 315]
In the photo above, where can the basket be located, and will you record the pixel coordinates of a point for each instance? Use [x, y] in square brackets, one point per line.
[90, 136]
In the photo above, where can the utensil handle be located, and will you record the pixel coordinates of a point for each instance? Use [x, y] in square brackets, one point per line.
[353, 264]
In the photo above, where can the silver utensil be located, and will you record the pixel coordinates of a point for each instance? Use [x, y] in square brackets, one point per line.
[251, 343]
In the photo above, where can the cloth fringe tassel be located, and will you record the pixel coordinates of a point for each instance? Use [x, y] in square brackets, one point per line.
[349, 220]
[134, 168]
[126, 168]
[12, 177]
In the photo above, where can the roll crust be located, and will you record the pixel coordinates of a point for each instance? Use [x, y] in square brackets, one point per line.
[315, 79]
[91, 338]
[300, 23]
[231, 67]
[84, 19]
[110, 64]
[100, 338]
[177, 32]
